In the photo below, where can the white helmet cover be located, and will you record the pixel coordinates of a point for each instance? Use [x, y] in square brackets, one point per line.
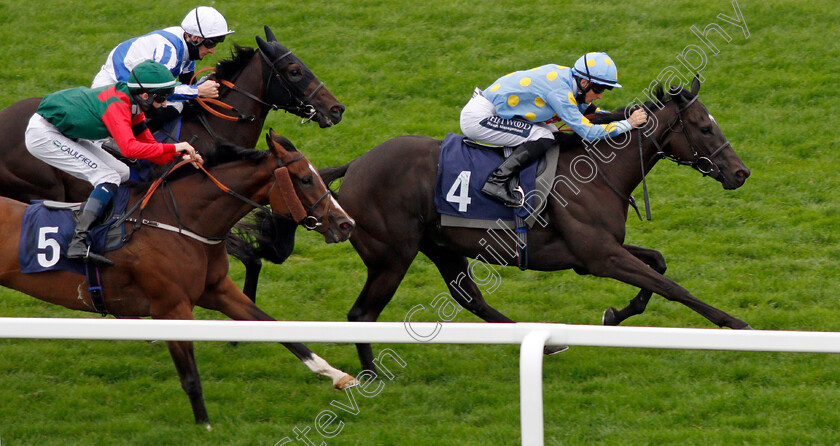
[205, 21]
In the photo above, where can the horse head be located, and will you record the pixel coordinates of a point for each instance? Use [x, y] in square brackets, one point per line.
[297, 83]
[303, 194]
[695, 139]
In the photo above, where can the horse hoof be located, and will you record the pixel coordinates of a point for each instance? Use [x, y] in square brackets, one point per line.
[745, 327]
[609, 317]
[549, 350]
[208, 427]
[346, 382]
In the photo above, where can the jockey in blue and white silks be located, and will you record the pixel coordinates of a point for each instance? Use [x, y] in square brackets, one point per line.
[177, 48]
[167, 47]
[519, 110]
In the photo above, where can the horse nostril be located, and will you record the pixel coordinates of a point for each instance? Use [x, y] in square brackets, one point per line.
[337, 110]
[743, 174]
[346, 226]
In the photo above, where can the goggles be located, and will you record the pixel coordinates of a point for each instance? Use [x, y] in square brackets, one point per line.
[160, 96]
[598, 88]
[211, 42]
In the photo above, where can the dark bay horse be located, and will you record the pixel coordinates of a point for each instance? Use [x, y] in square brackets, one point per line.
[265, 79]
[165, 274]
[389, 192]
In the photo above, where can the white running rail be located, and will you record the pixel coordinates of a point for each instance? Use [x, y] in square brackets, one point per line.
[531, 337]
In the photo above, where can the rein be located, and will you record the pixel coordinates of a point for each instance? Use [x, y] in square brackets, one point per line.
[300, 215]
[302, 107]
[703, 164]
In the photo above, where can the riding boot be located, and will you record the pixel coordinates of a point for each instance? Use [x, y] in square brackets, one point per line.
[499, 184]
[94, 208]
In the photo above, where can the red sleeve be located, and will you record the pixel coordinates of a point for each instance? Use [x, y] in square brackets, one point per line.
[117, 119]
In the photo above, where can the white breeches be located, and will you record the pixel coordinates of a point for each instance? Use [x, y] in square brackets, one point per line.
[81, 158]
[479, 121]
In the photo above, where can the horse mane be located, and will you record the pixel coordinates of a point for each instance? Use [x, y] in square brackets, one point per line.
[240, 56]
[222, 153]
[226, 153]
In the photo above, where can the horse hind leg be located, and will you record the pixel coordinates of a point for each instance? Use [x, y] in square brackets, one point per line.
[638, 304]
[455, 270]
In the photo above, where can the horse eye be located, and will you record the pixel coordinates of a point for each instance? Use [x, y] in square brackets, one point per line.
[706, 130]
[306, 180]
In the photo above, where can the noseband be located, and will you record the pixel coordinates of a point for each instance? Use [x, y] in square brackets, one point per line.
[305, 217]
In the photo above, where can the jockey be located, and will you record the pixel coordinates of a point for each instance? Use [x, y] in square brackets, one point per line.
[520, 108]
[177, 48]
[60, 133]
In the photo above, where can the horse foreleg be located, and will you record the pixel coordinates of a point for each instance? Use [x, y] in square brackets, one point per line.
[182, 355]
[184, 359]
[637, 305]
[621, 265]
[226, 298]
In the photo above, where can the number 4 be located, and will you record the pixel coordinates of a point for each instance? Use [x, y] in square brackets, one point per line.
[463, 198]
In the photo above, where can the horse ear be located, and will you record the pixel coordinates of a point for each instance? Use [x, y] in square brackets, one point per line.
[265, 47]
[675, 91]
[695, 86]
[269, 35]
[276, 140]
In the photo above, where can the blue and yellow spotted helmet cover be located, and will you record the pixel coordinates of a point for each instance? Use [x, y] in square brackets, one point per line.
[597, 68]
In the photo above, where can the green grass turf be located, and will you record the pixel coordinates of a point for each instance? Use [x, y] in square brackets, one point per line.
[767, 253]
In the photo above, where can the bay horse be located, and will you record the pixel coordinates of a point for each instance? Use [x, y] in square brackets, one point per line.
[271, 77]
[165, 274]
[389, 192]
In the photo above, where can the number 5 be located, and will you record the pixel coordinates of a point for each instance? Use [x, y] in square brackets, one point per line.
[45, 243]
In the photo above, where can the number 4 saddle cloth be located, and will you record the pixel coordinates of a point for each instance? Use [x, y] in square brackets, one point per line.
[462, 171]
[48, 226]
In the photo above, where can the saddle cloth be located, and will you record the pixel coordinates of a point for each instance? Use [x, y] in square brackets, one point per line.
[463, 170]
[48, 227]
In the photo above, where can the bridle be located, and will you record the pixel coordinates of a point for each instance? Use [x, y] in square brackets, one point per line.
[282, 180]
[300, 106]
[702, 164]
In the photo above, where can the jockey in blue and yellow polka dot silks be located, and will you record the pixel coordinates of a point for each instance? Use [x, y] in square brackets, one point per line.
[550, 93]
[519, 109]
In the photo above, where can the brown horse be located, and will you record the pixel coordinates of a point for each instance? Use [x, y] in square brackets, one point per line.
[269, 78]
[389, 191]
[164, 274]
[265, 79]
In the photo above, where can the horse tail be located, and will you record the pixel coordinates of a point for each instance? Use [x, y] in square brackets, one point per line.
[262, 236]
[330, 174]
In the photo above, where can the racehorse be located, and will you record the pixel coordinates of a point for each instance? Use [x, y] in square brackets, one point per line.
[389, 192]
[165, 274]
[265, 79]
[253, 82]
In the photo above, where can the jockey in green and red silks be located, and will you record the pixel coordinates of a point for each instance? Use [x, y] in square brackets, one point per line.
[518, 110]
[64, 130]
